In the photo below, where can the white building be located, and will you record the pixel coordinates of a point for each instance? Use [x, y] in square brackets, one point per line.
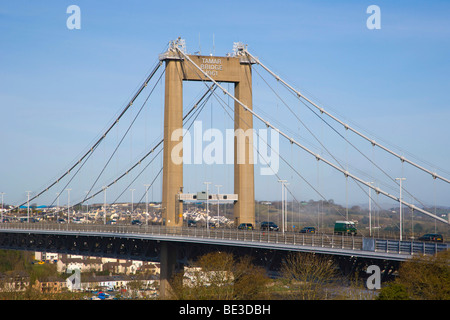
[46, 256]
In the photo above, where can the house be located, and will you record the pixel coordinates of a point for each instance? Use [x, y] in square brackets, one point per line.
[46, 256]
[153, 268]
[66, 264]
[50, 285]
[116, 282]
[120, 267]
[18, 281]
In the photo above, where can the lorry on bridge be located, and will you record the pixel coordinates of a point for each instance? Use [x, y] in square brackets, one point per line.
[345, 227]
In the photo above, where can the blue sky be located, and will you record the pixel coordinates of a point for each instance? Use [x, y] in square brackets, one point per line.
[60, 88]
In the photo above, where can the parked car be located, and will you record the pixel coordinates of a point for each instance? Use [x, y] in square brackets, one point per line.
[434, 237]
[269, 225]
[308, 230]
[345, 227]
[136, 222]
[245, 226]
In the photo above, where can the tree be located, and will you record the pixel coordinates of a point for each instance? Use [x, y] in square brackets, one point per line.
[394, 291]
[421, 278]
[308, 274]
[219, 276]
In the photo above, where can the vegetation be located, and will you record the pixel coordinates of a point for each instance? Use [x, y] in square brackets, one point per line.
[422, 278]
[13, 263]
[219, 276]
[308, 275]
[223, 276]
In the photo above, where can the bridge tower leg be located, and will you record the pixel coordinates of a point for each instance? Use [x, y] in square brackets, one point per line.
[172, 210]
[168, 260]
[244, 186]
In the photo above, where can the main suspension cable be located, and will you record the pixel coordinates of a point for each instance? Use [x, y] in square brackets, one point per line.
[346, 126]
[96, 144]
[318, 157]
[188, 114]
[338, 133]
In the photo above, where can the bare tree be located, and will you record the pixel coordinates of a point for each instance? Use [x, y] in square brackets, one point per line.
[308, 275]
[218, 275]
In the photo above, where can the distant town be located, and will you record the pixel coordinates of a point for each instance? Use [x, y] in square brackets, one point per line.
[123, 213]
[112, 277]
[318, 214]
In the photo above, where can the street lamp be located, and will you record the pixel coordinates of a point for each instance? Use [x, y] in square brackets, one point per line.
[207, 197]
[28, 206]
[370, 209]
[146, 201]
[104, 204]
[2, 193]
[282, 203]
[87, 202]
[132, 208]
[218, 214]
[68, 205]
[285, 204]
[400, 200]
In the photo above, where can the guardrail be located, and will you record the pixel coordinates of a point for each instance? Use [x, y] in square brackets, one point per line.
[276, 237]
[409, 247]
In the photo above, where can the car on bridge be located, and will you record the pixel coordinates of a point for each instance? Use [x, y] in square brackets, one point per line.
[269, 225]
[245, 226]
[211, 225]
[136, 222]
[192, 223]
[308, 230]
[433, 237]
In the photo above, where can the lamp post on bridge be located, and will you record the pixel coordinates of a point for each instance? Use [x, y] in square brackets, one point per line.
[207, 197]
[146, 202]
[400, 200]
[218, 214]
[370, 209]
[104, 204]
[68, 205]
[87, 203]
[285, 205]
[132, 201]
[2, 193]
[283, 182]
[28, 206]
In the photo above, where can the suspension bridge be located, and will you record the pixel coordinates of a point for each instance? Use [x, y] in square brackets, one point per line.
[168, 156]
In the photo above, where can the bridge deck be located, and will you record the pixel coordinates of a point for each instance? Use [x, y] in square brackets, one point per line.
[319, 243]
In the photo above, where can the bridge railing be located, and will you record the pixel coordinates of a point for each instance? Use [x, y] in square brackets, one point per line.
[409, 247]
[277, 237]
